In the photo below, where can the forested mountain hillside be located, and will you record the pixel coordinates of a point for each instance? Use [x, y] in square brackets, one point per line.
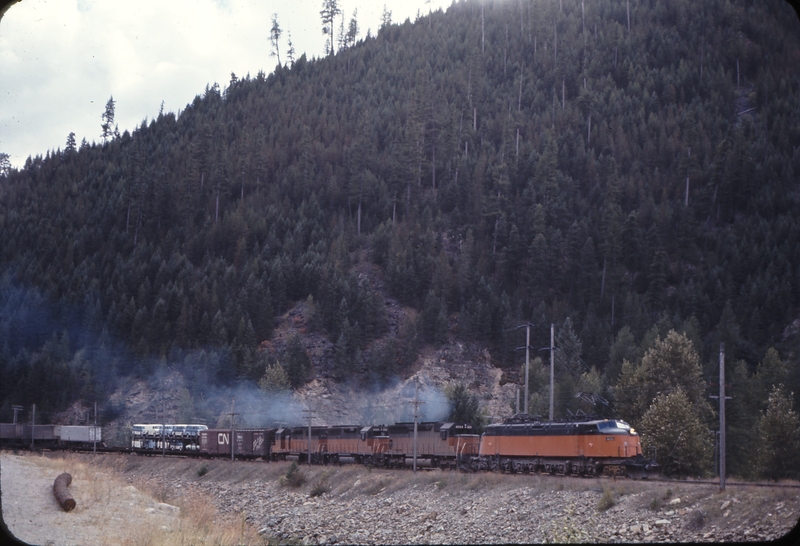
[619, 169]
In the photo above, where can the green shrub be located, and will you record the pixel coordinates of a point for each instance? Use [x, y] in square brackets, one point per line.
[320, 488]
[293, 476]
[606, 501]
[656, 503]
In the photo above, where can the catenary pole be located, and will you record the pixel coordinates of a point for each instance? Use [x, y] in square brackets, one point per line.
[527, 361]
[722, 417]
[552, 366]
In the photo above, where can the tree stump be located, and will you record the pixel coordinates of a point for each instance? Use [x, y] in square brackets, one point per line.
[62, 495]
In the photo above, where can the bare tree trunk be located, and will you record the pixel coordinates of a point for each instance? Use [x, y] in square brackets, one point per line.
[555, 43]
[408, 197]
[433, 166]
[138, 224]
[589, 132]
[216, 210]
[583, 21]
[628, 4]
[603, 281]
[505, 54]
[689, 155]
[469, 87]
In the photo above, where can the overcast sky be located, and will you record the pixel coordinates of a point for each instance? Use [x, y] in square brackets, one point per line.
[61, 60]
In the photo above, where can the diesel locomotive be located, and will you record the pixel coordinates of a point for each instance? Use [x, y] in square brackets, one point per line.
[585, 448]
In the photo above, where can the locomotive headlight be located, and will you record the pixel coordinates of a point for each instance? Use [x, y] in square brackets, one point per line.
[633, 432]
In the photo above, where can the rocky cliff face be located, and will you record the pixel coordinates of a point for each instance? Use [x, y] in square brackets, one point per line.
[332, 401]
[337, 403]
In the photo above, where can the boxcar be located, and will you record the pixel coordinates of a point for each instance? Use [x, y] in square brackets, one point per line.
[79, 434]
[255, 443]
[19, 434]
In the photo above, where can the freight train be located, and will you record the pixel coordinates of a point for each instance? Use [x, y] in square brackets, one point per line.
[50, 436]
[520, 444]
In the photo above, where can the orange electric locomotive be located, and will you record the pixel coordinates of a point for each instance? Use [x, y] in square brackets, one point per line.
[584, 448]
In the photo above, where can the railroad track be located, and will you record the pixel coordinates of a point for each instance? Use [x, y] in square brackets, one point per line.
[727, 483]
[167, 453]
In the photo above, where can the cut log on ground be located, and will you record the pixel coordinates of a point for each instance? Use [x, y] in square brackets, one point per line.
[62, 495]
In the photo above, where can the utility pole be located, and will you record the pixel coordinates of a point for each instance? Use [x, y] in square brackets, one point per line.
[527, 361]
[552, 367]
[689, 155]
[722, 399]
[163, 430]
[233, 415]
[33, 426]
[722, 417]
[16, 409]
[417, 403]
[309, 414]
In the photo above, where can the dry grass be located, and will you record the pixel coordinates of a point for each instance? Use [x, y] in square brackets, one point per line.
[96, 483]
[198, 525]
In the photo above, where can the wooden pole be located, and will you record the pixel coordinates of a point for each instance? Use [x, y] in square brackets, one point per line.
[722, 417]
[527, 362]
[63, 497]
[416, 405]
[552, 366]
[33, 426]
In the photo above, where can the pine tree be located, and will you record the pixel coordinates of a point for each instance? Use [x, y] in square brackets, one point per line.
[780, 437]
[673, 427]
[107, 125]
[464, 406]
[274, 380]
[71, 145]
[275, 37]
[5, 164]
[671, 364]
[330, 9]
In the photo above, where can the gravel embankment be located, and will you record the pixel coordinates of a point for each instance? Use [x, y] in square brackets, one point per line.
[397, 507]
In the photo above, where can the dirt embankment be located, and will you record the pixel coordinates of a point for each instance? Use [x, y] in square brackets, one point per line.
[353, 504]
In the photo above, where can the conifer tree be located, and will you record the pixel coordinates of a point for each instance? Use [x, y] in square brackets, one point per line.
[108, 126]
[779, 438]
[330, 9]
[674, 428]
[275, 36]
[5, 164]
